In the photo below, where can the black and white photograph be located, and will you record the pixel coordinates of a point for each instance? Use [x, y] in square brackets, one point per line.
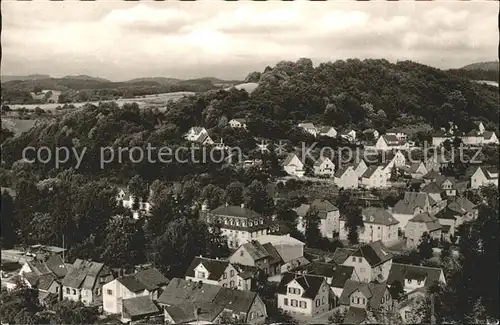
[249, 162]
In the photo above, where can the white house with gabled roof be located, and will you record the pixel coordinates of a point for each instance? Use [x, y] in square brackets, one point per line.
[293, 166]
[346, 177]
[483, 176]
[324, 167]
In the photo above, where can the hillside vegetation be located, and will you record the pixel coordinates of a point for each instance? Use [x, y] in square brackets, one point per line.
[346, 94]
[487, 66]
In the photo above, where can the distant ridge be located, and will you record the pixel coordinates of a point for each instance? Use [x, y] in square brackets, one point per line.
[486, 66]
[6, 78]
[85, 77]
[160, 80]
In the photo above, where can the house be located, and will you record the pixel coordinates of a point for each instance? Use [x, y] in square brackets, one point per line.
[290, 250]
[238, 224]
[309, 128]
[48, 285]
[360, 167]
[390, 142]
[418, 225]
[394, 159]
[324, 167]
[194, 133]
[327, 131]
[84, 281]
[190, 302]
[262, 256]
[342, 254]
[138, 308]
[416, 170]
[303, 294]
[52, 265]
[127, 200]
[410, 205]
[238, 123]
[349, 135]
[479, 127]
[379, 224]
[359, 297]
[346, 177]
[327, 212]
[437, 161]
[434, 191]
[490, 137]
[399, 134]
[217, 272]
[458, 211]
[149, 283]
[447, 184]
[372, 262]
[415, 277]
[334, 274]
[431, 175]
[374, 177]
[293, 166]
[483, 176]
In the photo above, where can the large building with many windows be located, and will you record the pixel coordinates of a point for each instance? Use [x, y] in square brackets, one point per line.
[238, 224]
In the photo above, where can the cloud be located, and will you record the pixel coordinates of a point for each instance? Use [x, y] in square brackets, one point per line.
[120, 40]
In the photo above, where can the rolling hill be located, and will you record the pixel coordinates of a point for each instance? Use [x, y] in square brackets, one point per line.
[486, 66]
[6, 78]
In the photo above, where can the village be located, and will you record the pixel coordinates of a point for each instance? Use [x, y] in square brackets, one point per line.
[357, 280]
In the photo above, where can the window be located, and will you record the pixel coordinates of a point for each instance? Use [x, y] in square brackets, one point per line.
[224, 285]
[252, 315]
[109, 292]
[231, 273]
[294, 303]
[323, 289]
[318, 302]
[285, 301]
[239, 283]
[360, 259]
[354, 259]
[303, 304]
[231, 284]
[67, 291]
[323, 300]
[74, 291]
[363, 300]
[418, 282]
[57, 289]
[201, 275]
[383, 299]
[242, 253]
[357, 300]
[362, 270]
[224, 276]
[352, 299]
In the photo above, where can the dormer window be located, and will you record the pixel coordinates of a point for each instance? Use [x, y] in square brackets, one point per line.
[250, 224]
[201, 275]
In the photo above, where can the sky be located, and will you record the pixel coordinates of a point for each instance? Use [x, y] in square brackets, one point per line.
[120, 40]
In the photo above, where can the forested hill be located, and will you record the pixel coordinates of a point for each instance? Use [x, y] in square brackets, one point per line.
[346, 94]
[480, 71]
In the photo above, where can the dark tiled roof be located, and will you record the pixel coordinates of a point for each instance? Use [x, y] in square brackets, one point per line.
[340, 172]
[310, 283]
[179, 292]
[400, 272]
[431, 174]
[56, 264]
[234, 211]
[462, 204]
[375, 253]
[239, 301]
[152, 279]
[378, 216]
[342, 254]
[391, 140]
[323, 207]
[372, 291]
[256, 250]
[338, 274]
[431, 222]
[275, 256]
[139, 306]
[288, 159]
[432, 188]
[446, 214]
[82, 274]
[245, 271]
[370, 171]
[215, 267]
[131, 283]
[183, 314]
[410, 202]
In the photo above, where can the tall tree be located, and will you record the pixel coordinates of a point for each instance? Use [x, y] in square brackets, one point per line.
[8, 220]
[424, 248]
[258, 199]
[234, 193]
[213, 195]
[312, 232]
[354, 222]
